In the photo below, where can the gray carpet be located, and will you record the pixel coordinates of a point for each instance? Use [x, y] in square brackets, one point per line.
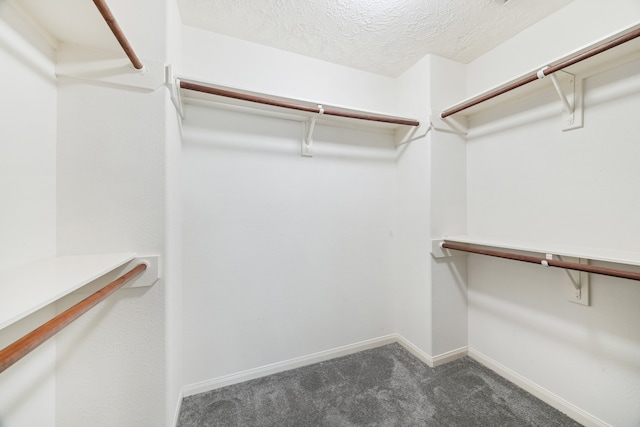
[385, 386]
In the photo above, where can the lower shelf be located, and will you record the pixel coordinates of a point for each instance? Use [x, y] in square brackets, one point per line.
[594, 254]
[27, 289]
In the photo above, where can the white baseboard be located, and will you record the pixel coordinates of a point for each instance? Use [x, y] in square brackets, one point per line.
[541, 393]
[413, 349]
[286, 365]
[450, 356]
[432, 361]
[298, 362]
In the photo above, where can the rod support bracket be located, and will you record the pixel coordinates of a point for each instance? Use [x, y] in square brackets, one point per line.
[307, 142]
[569, 90]
[578, 289]
[173, 84]
[437, 251]
[450, 124]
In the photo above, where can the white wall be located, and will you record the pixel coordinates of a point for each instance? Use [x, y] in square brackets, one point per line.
[28, 161]
[111, 199]
[173, 225]
[408, 289]
[430, 295]
[413, 296]
[284, 256]
[448, 195]
[119, 364]
[232, 62]
[529, 181]
[579, 24]
[28, 211]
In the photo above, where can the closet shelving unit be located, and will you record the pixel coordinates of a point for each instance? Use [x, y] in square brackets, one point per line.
[565, 75]
[593, 254]
[33, 286]
[186, 90]
[38, 284]
[575, 260]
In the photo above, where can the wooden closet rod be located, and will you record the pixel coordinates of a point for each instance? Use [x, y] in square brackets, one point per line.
[117, 31]
[631, 35]
[546, 262]
[20, 348]
[306, 108]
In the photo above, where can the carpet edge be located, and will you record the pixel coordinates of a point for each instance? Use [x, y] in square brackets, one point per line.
[274, 368]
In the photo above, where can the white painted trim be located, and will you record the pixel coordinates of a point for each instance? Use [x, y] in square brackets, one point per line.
[286, 365]
[415, 350]
[432, 361]
[178, 408]
[450, 356]
[274, 368]
[572, 411]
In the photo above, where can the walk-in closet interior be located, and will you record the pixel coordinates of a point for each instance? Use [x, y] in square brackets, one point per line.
[198, 193]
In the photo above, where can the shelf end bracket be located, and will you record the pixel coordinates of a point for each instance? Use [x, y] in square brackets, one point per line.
[173, 85]
[457, 125]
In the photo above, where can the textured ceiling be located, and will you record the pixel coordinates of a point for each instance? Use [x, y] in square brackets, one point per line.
[381, 36]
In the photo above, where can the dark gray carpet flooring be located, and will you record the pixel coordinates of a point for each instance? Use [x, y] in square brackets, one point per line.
[385, 386]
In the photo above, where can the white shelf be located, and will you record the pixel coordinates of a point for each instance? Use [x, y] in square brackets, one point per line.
[27, 289]
[619, 55]
[595, 254]
[183, 96]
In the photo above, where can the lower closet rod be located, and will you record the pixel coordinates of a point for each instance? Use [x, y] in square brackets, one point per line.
[546, 262]
[20, 348]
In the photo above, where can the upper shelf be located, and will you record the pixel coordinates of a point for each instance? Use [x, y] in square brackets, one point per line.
[27, 289]
[531, 82]
[187, 90]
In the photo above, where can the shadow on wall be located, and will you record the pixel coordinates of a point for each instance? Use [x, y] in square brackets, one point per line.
[609, 86]
[615, 84]
[21, 36]
[232, 131]
[535, 301]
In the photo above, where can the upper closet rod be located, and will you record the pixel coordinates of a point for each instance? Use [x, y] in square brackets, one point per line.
[300, 107]
[545, 72]
[20, 348]
[117, 31]
[544, 261]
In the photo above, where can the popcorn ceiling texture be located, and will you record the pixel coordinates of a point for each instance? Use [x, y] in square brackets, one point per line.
[381, 36]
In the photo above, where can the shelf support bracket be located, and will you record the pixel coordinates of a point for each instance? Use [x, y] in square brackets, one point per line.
[457, 125]
[568, 108]
[307, 142]
[172, 83]
[569, 90]
[578, 289]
